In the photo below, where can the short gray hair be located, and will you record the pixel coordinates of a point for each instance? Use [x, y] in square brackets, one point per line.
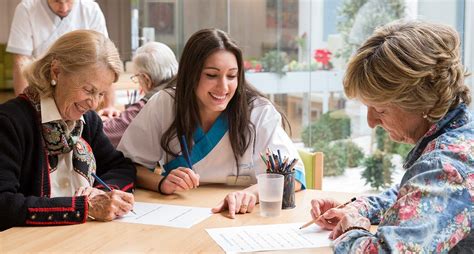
[157, 60]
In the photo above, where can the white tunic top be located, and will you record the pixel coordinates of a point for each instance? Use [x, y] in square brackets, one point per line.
[35, 27]
[141, 142]
[64, 180]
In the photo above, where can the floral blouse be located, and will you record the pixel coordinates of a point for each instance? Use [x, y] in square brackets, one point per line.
[431, 211]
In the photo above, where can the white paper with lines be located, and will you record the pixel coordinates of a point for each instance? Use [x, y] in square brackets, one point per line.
[269, 237]
[166, 215]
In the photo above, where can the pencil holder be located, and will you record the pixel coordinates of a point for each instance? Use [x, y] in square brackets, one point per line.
[288, 201]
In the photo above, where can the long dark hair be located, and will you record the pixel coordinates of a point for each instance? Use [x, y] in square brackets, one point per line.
[198, 48]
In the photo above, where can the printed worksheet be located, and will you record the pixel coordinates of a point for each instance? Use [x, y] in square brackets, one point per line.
[166, 215]
[269, 237]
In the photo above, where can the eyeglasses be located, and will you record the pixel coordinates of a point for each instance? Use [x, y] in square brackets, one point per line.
[135, 79]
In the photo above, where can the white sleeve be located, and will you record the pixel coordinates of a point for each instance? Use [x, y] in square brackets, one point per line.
[97, 20]
[270, 133]
[141, 140]
[20, 40]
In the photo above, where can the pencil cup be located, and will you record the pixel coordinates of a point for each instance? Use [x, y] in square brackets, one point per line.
[288, 201]
[270, 191]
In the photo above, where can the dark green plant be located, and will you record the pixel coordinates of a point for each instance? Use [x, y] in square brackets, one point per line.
[274, 61]
[330, 126]
[378, 171]
[355, 155]
[335, 159]
[339, 155]
[340, 123]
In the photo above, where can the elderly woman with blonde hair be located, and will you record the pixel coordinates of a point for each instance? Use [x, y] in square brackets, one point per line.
[51, 141]
[410, 76]
[155, 65]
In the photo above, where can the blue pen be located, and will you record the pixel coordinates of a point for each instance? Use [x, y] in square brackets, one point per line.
[186, 152]
[105, 185]
[100, 181]
[279, 158]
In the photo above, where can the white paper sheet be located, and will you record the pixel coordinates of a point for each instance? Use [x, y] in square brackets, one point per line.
[166, 215]
[269, 237]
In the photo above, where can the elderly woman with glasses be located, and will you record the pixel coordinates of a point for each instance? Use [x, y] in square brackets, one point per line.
[52, 147]
[155, 65]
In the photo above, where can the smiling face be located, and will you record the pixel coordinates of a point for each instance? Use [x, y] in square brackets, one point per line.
[402, 126]
[217, 85]
[77, 93]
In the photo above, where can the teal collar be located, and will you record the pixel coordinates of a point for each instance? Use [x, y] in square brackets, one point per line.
[204, 143]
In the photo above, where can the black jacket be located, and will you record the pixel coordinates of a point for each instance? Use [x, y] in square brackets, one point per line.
[24, 173]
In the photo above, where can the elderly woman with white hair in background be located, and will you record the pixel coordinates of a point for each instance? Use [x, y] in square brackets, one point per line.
[155, 65]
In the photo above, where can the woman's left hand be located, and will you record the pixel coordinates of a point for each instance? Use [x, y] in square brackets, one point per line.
[88, 191]
[237, 202]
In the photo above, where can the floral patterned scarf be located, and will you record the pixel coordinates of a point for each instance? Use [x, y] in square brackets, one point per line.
[57, 141]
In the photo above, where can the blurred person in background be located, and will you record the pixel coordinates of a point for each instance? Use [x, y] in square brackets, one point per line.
[37, 24]
[155, 65]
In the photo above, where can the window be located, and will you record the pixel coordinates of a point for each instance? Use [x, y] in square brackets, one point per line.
[295, 50]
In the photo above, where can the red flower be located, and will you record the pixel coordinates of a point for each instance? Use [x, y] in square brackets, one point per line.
[247, 65]
[322, 56]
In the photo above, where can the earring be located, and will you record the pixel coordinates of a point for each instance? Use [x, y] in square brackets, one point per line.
[53, 82]
[425, 115]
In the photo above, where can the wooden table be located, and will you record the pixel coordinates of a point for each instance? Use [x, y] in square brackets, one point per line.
[115, 237]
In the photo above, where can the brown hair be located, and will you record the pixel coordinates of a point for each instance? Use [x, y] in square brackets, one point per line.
[198, 48]
[75, 51]
[412, 64]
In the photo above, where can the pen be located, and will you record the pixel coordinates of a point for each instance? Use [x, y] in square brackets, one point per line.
[186, 152]
[339, 206]
[279, 159]
[105, 185]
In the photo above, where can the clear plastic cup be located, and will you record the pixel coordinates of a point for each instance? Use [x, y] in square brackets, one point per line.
[270, 192]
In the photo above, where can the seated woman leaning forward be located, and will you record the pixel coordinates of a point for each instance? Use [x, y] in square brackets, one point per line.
[410, 77]
[225, 121]
[51, 140]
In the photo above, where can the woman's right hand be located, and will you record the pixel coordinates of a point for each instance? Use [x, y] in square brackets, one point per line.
[180, 179]
[110, 205]
[320, 206]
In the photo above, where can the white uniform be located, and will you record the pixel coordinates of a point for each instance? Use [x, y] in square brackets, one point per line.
[211, 155]
[35, 27]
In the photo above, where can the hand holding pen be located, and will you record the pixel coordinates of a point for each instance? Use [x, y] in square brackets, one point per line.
[111, 204]
[181, 178]
[319, 209]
